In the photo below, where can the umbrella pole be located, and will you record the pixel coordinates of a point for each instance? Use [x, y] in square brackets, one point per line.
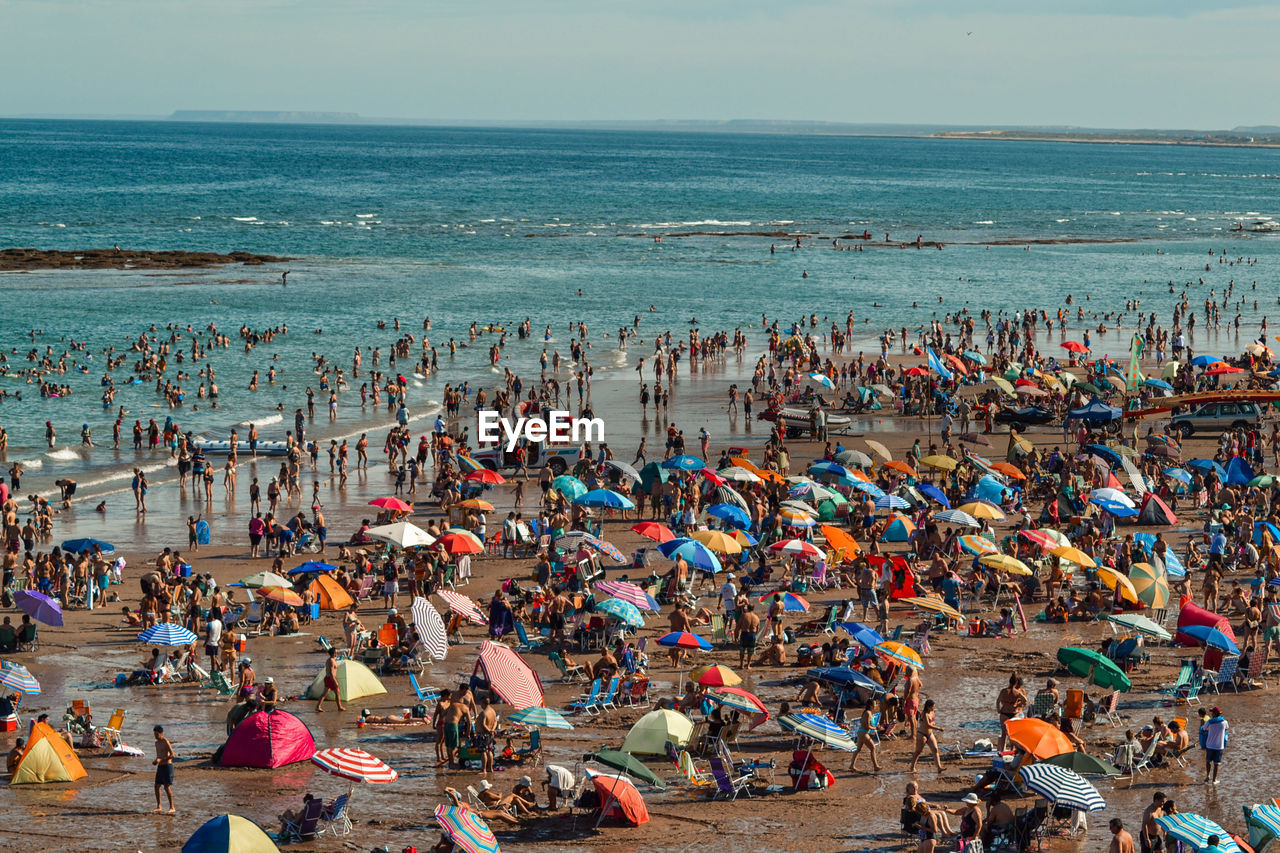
[800, 776]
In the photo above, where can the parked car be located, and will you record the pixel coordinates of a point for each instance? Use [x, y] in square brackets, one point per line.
[1216, 417]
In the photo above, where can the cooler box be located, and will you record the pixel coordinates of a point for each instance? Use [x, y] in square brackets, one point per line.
[9, 723]
[184, 570]
[313, 610]
[242, 644]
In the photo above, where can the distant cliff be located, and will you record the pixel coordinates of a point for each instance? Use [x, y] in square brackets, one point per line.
[265, 116]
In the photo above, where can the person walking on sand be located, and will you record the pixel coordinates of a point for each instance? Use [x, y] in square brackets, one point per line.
[164, 770]
[927, 735]
[330, 683]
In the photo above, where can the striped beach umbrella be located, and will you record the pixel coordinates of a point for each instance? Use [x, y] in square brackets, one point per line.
[738, 474]
[899, 653]
[796, 548]
[791, 602]
[541, 717]
[509, 675]
[607, 548]
[629, 592]
[1141, 624]
[1194, 830]
[955, 516]
[1150, 584]
[430, 627]
[1045, 540]
[463, 606]
[975, 544]
[623, 611]
[281, 595]
[892, 502]
[1063, 787]
[819, 729]
[933, 603]
[17, 678]
[167, 634]
[354, 764]
[468, 832]
[810, 492]
[790, 516]
[1265, 817]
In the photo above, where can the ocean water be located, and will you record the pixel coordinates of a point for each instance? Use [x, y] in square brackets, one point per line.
[499, 225]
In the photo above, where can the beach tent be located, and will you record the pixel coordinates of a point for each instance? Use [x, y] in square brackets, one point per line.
[330, 594]
[1155, 511]
[230, 833]
[508, 675]
[651, 732]
[1238, 471]
[1095, 411]
[47, 758]
[355, 681]
[268, 739]
[899, 530]
[902, 581]
[1193, 614]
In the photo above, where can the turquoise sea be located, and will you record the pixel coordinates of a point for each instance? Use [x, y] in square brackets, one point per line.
[499, 225]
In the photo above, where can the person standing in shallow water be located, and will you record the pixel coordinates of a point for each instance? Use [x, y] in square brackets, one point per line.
[164, 770]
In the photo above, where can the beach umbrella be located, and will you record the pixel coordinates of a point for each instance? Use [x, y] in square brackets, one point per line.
[312, 567]
[864, 634]
[731, 514]
[509, 675]
[355, 765]
[1073, 555]
[1063, 787]
[879, 449]
[933, 603]
[867, 488]
[1074, 346]
[1045, 539]
[892, 502]
[605, 498]
[457, 542]
[38, 606]
[1141, 624]
[818, 728]
[653, 530]
[940, 462]
[810, 491]
[627, 763]
[229, 833]
[900, 466]
[745, 539]
[738, 699]
[975, 356]
[79, 546]
[1262, 481]
[1114, 495]
[1150, 584]
[1265, 818]
[18, 678]
[718, 541]
[391, 503]
[623, 611]
[402, 534]
[569, 486]
[463, 606]
[791, 602]
[1119, 510]
[540, 716]
[790, 516]
[281, 595]
[430, 628]
[1006, 563]
[624, 469]
[466, 829]
[1112, 579]
[261, 579]
[1207, 465]
[955, 516]
[978, 545]
[683, 462]
[856, 458]
[983, 509]
[1009, 470]
[486, 476]
[167, 634]
[683, 640]
[618, 795]
[466, 463]
[840, 541]
[1084, 764]
[1095, 668]
[715, 675]
[738, 474]
[822, 379]
[1194, 831]
[728, 495]
[607, 548]
[1211, 637]
[975, 438]
[474, 503]
[796, 548]
[1037, 737]
[629, 592]
[694, 552]
[1180, 474]
[1205, 360]
[899, 653]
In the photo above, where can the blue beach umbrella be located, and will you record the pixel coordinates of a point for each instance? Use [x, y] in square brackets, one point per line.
[694, 552]
[730, 514]
[867, 488]
[541, 717]
[955, 516]
[78, 546]
[1180, 474]
[605, 498]
[312, 567]
[843, 676]
[825, 467]
[1259, 527]
[1205, 360]
[623, 611]
[1211, 637]
[569, 486]
[817, 728]
[1104, 453]
[864, 634]
[822, 379]
[683, 462]
[167, 634]
[892, 502]
[1194, 831]
[1208, 465]
[933, 493]
[1158, 383]
[1116, 508]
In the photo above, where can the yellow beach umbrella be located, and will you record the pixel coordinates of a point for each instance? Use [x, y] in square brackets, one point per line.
[978, 509]
[1112, 578]
[718, 541]
[899, 653]
[1004, 385]
[937, 605]
[1151, 584]
[1005, 563]
[940, 462]
[1073, 555]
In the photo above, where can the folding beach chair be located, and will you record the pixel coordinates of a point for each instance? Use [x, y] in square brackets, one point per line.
[525, 643]
[307, 826]
[336, 817]
[1225, 675]
[608, 696]
[219, 682]
[567, 673]
[1185, 686]
[727, 785]
[431, 694]
[589, 702]
[534, 748]
[323, 642]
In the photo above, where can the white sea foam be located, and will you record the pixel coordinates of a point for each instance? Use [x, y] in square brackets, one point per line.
[265, 420]
[245, 218]
[985, 222]
[65, 454]
[365, 215]
[30, 464]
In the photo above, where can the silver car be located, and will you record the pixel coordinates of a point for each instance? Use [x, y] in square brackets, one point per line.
[1217, 417]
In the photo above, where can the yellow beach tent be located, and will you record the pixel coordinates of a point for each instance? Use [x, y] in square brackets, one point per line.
[355, 680]
[48, 758]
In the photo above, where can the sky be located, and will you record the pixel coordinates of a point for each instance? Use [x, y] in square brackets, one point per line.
[1089, 63]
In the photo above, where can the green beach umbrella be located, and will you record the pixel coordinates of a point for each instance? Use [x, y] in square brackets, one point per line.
[1262, 481]
[1084, 764]
[627, 763]
[1095, 668]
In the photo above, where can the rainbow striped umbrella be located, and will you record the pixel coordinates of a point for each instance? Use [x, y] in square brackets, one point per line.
[792, 517]
[468, 832]
[790, 601]
[978, 545]
[16, 677]
[904, 655]
[354, 764]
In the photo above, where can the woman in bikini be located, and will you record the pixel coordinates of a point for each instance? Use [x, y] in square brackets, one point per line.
[927, 735]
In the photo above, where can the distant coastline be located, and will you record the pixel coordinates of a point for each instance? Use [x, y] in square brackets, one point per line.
[22, 260]
[1225, 139]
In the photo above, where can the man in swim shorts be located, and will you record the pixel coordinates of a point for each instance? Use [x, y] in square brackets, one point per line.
[748, 627]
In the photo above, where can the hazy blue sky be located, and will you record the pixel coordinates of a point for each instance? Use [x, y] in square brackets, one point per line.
[1123, 63]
